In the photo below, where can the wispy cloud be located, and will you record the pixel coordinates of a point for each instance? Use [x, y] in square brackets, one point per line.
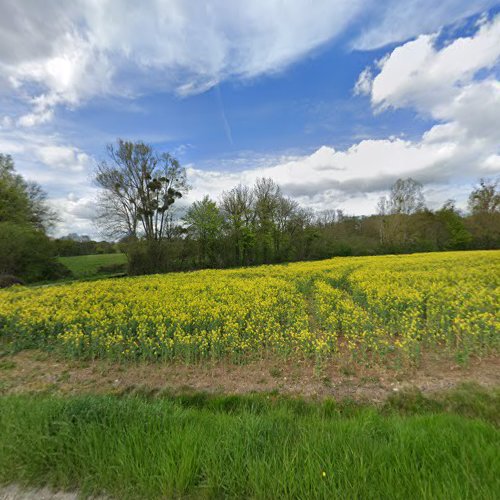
[56, 53]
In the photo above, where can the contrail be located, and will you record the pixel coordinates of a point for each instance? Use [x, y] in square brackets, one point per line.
[227, 127]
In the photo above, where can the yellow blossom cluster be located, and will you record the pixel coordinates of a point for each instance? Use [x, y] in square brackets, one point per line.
[370, 306]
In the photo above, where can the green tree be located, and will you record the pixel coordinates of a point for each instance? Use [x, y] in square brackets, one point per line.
[456, 236]
[205, 224]
[27, 253]
[22, 202]
[237, 208]
[485, 198]
[267, 196]
[484, 222]
[25, 249]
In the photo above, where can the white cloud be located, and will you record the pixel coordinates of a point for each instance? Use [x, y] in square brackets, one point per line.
[65, 158]
[492, 163]
[428, 79]
[394, 21]
[63, 170]
[440, 83]
[53, 53]
[456, 86]
[354, 179]
[36, 118]
[364, 82]
[63, 53]
[78, 214]
[76, 72]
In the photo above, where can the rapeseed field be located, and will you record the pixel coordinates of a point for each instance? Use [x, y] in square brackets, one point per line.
[369, 308]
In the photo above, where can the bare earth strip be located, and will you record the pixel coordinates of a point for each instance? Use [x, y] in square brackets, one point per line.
[14, 492]
[40, 372]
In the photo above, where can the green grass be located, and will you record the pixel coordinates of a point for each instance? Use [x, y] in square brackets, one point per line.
[88, 266]
[255, 446]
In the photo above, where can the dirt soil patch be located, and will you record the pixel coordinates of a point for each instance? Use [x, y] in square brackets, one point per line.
[40, 372]
[16, 492]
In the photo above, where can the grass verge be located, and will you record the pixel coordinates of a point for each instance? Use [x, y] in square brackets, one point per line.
[254, 446]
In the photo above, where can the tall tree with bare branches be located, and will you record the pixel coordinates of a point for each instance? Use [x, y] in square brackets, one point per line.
[139, 187]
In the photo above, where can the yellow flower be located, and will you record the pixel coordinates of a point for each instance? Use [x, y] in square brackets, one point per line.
[371, 306]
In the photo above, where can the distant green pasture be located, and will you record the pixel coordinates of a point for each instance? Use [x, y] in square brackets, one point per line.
[89, 266]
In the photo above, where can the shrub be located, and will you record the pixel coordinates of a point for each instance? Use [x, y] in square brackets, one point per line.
[7, 280]
[147, 257]
[112, 269]
[28, 253]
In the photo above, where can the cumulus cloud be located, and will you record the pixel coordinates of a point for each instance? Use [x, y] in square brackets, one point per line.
[430, 80]
[441, 83]
[62, 53]
[78, 214]
[63, 158]
[456, 85]
[354, 179]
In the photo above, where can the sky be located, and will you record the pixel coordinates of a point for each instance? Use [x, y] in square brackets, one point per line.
[333, 99]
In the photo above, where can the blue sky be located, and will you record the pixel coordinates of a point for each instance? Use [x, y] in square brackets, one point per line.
[301, 107]
[334, 100]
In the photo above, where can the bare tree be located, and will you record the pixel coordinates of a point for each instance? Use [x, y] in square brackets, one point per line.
[406, 197]
[383, 206]
[139, 187]
[172, 225]
[286, 212]
[326, 218]
[485, 198]
[116, 217]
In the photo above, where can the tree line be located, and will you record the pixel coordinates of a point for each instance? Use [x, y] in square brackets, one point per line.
[250, 225]
[140, 214]
[74, 244]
